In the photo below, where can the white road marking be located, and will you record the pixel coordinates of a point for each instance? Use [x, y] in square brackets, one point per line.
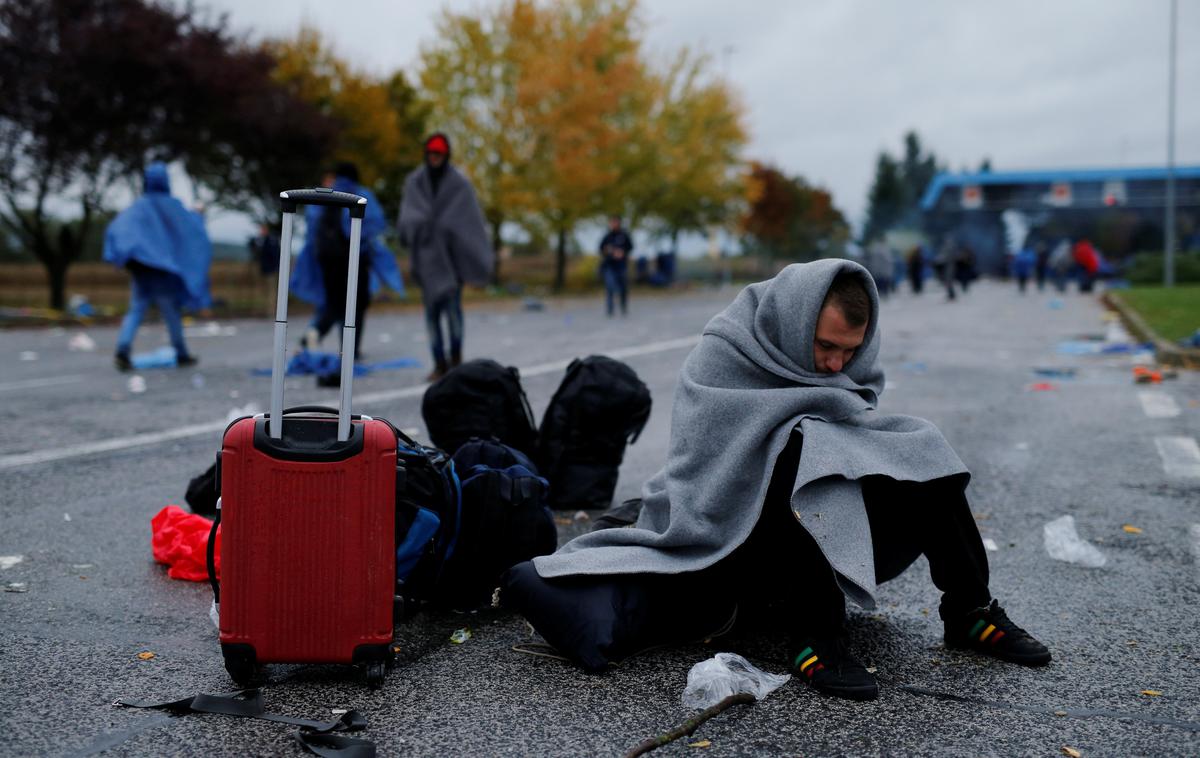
[1180, 455]
[152, 438]
[52, 381]
[1157, 404]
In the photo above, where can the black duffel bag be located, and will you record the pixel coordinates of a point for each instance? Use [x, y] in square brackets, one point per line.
[600, 406]
[504, 521]
[481, 399]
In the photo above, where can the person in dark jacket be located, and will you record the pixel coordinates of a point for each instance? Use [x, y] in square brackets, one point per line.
[615, 249]
[443, 228]
[323, 264]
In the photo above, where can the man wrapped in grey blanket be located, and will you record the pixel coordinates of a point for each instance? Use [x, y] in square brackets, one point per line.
[779, 466]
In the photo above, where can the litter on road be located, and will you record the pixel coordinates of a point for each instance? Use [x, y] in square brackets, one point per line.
[1058, 373]
[179, 540]
[8, 561]
[990, 545]
[711, 681]
[81, 343]
[235, 413]
[1042, 387]
[210, 329]
[1089, 347]
[28, 355]
[163, 357]
[136, 384]
[1131, 529]
[1063, 544]
[16, 587]
[460, 636]
[309, 362]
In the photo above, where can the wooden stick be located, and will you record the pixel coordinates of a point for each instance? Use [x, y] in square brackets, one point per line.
[686, 728]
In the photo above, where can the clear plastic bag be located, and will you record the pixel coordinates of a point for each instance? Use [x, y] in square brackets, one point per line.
[1064, 544]
[711, 681]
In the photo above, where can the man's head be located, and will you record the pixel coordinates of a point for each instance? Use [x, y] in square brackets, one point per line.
[437, 150]
[614, 222]
[842, 323]
[346, 170]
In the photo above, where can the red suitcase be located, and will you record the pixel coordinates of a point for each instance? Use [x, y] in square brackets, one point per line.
[307, 510]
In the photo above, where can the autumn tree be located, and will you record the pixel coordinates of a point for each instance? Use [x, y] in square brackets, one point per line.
[786, 217]
[380, 121]
[470, 75]
[680, 159]
[96, 88]
[558, 118]
[578, 63]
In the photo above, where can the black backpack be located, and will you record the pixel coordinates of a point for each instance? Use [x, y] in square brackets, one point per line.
[481, 399]
[428, 519]
[504, 521]
[600, 407]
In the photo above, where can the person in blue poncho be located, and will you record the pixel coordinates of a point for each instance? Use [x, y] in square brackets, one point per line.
[1023, 265]
[167, 252]
[319, 276]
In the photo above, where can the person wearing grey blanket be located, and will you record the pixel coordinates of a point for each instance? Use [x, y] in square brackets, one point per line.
[786, 487]
[444, 229]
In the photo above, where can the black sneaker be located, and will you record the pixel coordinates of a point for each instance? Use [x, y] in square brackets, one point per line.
[988, 630]
[122, 362]
[186, 360]
[827, 665]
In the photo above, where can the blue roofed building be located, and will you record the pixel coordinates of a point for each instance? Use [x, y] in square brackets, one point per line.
[1120, 210]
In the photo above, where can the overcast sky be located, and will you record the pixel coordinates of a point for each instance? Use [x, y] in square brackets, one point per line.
[827, 84]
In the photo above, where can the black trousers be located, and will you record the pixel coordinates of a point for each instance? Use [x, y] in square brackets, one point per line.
[781, 577]
[335, 270]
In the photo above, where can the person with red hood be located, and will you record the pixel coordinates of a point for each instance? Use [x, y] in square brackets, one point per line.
[443, 228]
[1088, 260]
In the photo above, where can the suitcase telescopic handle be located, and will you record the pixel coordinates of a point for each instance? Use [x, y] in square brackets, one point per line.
[289, 201]
[316, 409]
[323, 196]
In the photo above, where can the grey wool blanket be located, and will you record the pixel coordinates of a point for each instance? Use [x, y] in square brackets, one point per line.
[749, 384]
[445, 232]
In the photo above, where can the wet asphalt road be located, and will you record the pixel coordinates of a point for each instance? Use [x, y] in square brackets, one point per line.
[78, 519]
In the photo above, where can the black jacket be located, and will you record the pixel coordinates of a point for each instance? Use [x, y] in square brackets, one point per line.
[618, 240]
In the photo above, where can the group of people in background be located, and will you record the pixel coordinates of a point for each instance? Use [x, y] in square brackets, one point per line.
[1065, 261]
[954, 265]
[167, 252]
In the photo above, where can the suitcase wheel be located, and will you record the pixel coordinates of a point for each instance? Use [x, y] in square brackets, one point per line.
[376, 671]
[240, 663]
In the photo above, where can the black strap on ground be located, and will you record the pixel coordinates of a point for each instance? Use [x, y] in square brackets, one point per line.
[317, 737]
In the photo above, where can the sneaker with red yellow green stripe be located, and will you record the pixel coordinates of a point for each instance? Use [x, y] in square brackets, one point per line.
[827, 665]
[988, 630]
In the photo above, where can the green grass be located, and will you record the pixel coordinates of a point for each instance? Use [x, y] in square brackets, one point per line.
[1173, 313]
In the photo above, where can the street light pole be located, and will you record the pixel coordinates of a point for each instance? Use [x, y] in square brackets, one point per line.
[1169, 221]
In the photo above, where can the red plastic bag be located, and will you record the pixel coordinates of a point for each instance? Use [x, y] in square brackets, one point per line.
[180, 540]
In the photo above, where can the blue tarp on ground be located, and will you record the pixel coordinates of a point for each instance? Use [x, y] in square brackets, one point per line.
[311, 362]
